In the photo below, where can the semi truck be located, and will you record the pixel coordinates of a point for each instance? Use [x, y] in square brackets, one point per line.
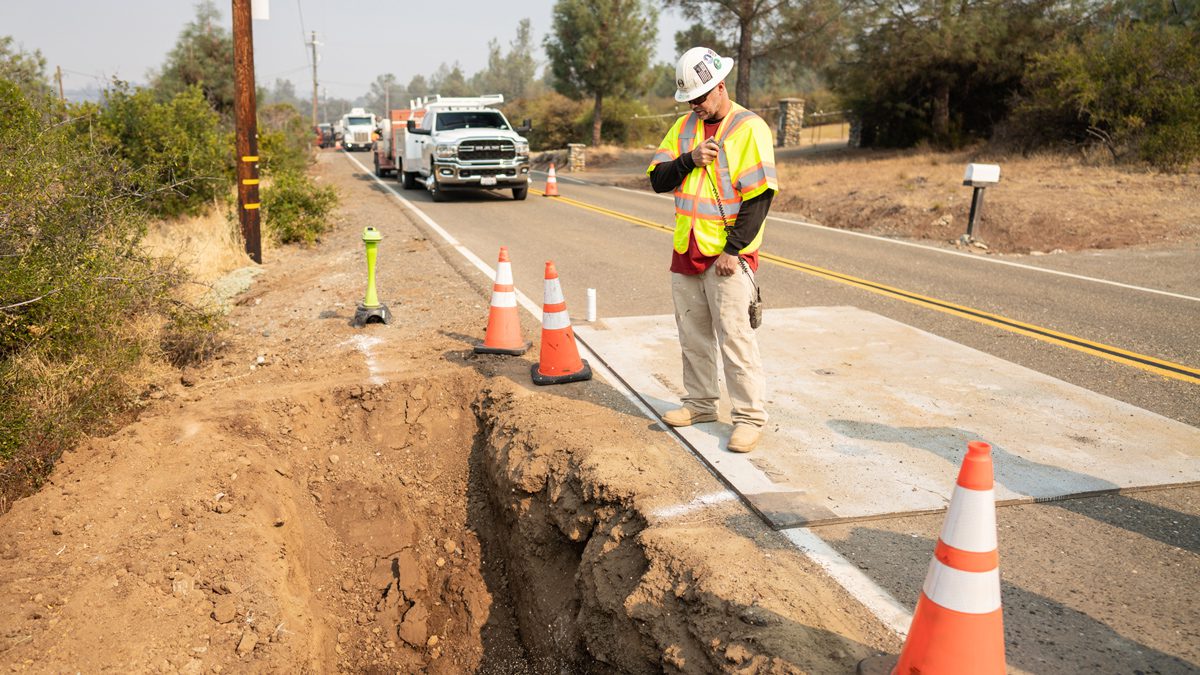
[458, 143]
[358, 130]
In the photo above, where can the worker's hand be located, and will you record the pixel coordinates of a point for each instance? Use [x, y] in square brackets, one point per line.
[727, 265]
[705, 153]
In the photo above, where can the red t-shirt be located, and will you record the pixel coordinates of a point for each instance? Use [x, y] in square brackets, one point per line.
[693, 261]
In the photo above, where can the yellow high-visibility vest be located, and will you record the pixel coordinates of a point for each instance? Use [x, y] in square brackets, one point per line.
[744, 169]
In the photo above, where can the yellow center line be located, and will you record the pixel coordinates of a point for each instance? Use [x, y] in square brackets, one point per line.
[1148, 363]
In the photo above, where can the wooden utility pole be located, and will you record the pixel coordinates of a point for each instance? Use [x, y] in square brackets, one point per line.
[245, 112]
[61, 97]
[313, 42]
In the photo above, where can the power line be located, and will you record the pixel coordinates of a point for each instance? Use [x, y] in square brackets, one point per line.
[303, 34]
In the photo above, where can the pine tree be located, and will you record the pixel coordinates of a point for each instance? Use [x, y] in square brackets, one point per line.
[601, 48]
[202, 56]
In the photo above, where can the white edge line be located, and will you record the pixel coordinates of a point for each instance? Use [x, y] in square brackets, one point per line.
[875, 599]
[878, 601]
[970, 256]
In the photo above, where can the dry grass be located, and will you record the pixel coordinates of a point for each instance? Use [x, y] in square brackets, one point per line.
[1043, 203]
[208, 247]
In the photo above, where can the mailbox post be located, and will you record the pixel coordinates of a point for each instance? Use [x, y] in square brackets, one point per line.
[979, 177]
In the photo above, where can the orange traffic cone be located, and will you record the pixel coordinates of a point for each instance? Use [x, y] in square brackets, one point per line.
[551, 183]
[958, 626]
[504, 324]
[560, 360]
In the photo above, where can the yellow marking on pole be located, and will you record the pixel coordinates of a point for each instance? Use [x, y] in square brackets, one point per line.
[250, 158]
[1149, 364]
[249, 181]
[250, 207]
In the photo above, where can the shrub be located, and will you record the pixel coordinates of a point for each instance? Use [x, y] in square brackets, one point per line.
[80, 306]
[177, 155]
[295, 209]
[285, 140]
[1134, 88]
[555, 120]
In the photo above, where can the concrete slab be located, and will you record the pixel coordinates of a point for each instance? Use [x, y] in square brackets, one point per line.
[871, 417]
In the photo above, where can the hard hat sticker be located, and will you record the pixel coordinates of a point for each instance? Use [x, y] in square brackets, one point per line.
[717, 62]
[702, 72]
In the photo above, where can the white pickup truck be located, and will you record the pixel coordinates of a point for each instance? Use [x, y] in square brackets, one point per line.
[453, 143]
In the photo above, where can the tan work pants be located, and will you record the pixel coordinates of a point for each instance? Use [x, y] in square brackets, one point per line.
[711, 314]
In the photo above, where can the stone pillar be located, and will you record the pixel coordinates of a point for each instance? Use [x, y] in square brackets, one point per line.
[791, 120]
[855, 137]
[575, 157]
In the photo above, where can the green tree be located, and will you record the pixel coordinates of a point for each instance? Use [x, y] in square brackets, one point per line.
[449, 81]
[787, 31]
[419, 86]
[27, 70]
[203, 57]
[385, 95]
[283, 91]
[512, 73]
[601, 48]
[1135, 88]
[943, 70]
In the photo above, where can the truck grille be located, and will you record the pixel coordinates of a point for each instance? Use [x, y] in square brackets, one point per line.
[484, 150]
[361, 137]
[473, 173]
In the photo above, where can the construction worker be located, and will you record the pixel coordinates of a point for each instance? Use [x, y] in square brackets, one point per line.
[719, 162]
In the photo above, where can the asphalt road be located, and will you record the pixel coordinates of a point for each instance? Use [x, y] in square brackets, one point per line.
[1104, 584]
[627, 264]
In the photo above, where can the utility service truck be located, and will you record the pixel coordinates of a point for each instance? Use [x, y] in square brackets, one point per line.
[358, 130]
[455, 143]
[389, 148]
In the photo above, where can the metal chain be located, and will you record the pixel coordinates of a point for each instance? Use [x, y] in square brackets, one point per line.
[729, 228]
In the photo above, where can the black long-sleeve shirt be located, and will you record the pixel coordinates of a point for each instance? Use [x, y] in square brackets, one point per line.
[667, 176]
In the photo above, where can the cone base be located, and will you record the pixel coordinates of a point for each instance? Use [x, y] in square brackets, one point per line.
[548, 195]
[882, 664]
[539, 379]
[515, 351]
[363, 315]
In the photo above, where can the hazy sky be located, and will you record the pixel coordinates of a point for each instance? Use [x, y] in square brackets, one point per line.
[93, 40]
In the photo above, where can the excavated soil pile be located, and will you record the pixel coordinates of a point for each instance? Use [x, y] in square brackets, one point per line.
[329, 499]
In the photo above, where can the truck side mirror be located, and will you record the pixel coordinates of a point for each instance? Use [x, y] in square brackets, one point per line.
[411, 125]
[526, 127]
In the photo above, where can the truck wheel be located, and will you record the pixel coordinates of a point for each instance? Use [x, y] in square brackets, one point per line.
[520, 193]
[435, 190]
[408, 178]
[378, 171]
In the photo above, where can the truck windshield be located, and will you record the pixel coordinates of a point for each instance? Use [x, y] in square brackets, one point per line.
[448, 121]
[353, 121]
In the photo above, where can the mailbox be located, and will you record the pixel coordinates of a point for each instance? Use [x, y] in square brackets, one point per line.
[982, 175]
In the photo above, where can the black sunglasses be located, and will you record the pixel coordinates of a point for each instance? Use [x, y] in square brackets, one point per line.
[703, 97]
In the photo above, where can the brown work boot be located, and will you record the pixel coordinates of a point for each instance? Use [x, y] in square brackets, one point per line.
[686, 417]
[744, 438]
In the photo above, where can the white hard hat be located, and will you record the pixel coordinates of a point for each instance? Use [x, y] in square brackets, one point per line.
[699, 70]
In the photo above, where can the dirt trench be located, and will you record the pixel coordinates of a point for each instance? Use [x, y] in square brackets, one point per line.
[439, 524]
